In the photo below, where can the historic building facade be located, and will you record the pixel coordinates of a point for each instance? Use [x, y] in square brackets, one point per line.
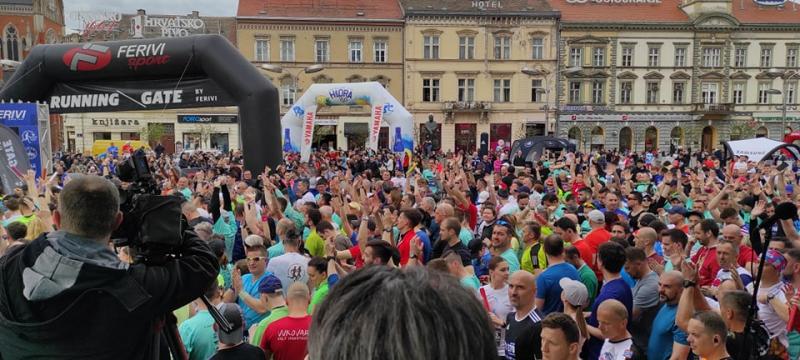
[674, 74]
[350, 40]
[464, 64]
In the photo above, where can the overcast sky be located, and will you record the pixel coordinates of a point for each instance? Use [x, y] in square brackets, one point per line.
[92, 8]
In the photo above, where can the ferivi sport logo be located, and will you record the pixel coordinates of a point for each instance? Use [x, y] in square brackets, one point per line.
[89, 57]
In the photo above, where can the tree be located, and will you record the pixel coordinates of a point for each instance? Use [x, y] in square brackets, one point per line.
[152, 133]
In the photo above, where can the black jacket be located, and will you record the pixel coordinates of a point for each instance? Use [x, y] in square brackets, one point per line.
[98, 312]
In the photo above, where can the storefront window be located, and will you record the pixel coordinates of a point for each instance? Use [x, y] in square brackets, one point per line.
[102, 136]
[219, 141]
[324, 137]
[500, 137]
[130, 136]
[356, 135]
[651, 139]
[466, 135]
[192, 141]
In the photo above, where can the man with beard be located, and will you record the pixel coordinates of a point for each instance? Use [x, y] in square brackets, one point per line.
[667, 341]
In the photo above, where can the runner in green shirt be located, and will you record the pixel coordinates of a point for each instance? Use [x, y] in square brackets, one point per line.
[318, 277]
[272, 293]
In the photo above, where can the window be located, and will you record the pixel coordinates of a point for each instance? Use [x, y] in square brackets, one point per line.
[597, 92]
[537, 90]
[380, 49]
[502, 47]
[652, 56]
[766, 57]
[711, 56]
[287, 49]
[356, 50]
[322, 50]
[575, 56]
[652, 92]
[763, 93]
[677, 92]
[288, 91]
[740, 57]
[537, 48]
[430, 47]
[466, 47]
[574, 92]
[130, 136]
[625, 92]
[680, 56]
[599, 56]
[791, 57]
[430, 90]
[12, 44]
[627, 56]
[102, 136]
[790, 90]
[738, 93]
[262, 49]
[466, 89]
[709, 93]
[502, 90]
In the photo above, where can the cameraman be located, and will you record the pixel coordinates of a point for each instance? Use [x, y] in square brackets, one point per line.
[66, 295]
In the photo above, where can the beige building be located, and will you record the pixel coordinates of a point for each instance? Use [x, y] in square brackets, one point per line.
[671, 73]
[351, 40]
[463, 67]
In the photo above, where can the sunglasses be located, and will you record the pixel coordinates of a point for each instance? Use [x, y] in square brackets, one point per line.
[255, 259]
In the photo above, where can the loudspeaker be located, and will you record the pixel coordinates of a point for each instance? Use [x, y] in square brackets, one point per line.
[484, 149]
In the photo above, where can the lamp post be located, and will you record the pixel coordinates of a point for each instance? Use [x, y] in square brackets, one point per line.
[783, 73]
[296, 78]
[545, 74]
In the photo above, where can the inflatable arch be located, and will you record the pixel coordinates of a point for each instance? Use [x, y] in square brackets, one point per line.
[298, 122]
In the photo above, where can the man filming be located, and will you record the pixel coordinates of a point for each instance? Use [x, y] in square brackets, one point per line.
[67, 295]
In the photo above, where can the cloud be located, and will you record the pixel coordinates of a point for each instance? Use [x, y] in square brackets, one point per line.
[75, 9]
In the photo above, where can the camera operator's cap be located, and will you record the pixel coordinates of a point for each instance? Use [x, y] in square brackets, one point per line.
[775, 259]
[270, 285]
[597, 216]
[677, 210]
[233, 314]
[575, 292]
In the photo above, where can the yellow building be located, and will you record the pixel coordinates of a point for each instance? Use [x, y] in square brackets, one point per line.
[464, 64]
[349, 40]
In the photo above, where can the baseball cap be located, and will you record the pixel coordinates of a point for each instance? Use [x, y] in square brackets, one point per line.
[574, 291]
[524, 189]
[597, 216]
[776, 259]
[233, 314]
[503, 193]
[748, 201]
[677, 210]
[482, 197]
[270, 285]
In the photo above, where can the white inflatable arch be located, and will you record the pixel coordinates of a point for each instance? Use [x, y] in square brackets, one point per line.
[298, 123]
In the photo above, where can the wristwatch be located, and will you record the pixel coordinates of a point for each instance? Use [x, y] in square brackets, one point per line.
[413, 255]
[688, 284]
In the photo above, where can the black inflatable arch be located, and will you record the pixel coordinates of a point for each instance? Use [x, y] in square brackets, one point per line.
[155, 74]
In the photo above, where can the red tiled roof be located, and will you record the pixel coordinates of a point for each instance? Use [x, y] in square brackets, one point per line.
[748, 12]
[341, 9]
[667, 11]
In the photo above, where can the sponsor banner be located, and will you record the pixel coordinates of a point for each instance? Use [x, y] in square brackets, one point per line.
[22, 121]
[169, 26]
[136, 95]
[308, 132]
[208, 119]
[13, 159]
[375, 121]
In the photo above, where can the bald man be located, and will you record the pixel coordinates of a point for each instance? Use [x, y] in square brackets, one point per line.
[667, 341]
[747, 257]
[612, 317]
[523, 326]
[645, 239]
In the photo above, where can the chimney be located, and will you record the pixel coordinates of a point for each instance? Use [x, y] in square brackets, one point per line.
[195, 14]
[140, 12]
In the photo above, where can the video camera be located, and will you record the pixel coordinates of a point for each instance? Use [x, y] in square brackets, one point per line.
[152, 226]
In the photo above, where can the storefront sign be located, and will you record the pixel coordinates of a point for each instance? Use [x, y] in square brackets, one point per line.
[487, 4]
[23, 121]
[625, 117]
[208, 119]
[776, 118]
[172, 26]
[107, 122]
[76, 97]
[577, 108]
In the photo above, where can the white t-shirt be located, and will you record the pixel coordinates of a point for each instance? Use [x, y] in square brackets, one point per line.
[620, 350]
[289, 268]
[501, 306]
[774, 323]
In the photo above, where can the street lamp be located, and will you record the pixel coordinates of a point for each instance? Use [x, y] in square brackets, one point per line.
[296, 78]
[544, 73]
[782, 73]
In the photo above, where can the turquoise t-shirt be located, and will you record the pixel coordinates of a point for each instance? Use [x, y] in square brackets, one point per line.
[276, 250]
[471, 282]
[510, 257]
[465, 236]
[251, 287]
[198, 336]
[187, 194]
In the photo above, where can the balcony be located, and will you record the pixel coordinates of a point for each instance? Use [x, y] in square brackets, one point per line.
[466, 106]
[713, 108]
